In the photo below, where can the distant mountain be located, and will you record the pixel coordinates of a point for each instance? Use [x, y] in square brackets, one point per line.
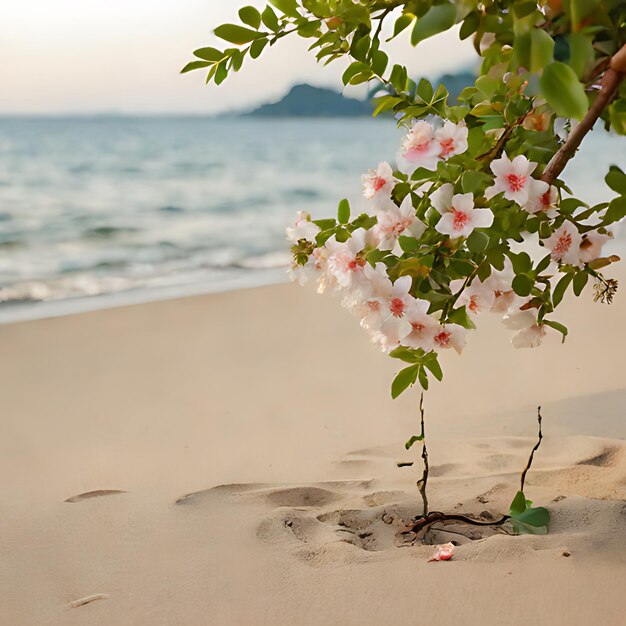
[309, 101]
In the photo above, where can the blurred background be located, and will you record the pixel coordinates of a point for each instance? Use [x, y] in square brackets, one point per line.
[123, 181]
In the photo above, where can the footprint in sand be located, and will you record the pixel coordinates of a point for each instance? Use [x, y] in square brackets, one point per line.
[95, 494]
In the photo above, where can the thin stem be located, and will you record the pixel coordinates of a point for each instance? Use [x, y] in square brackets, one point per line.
[532, 452]
[423, 482]
[610, 84]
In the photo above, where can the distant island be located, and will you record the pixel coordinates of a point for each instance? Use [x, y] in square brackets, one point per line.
[308, 101]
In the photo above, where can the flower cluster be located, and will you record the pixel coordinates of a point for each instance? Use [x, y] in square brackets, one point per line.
[431, 253]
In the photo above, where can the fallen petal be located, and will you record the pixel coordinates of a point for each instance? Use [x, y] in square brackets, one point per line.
[444, 552]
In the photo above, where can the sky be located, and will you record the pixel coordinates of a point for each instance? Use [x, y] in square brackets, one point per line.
[124, 56]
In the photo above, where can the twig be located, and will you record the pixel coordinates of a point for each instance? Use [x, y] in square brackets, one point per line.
[437, 516]
[610, 84]
[423, 482]
[532, 452]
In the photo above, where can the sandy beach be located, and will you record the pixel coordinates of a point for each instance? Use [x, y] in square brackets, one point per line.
[244, 450]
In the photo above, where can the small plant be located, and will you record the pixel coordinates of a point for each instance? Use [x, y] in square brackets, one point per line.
[453, 231]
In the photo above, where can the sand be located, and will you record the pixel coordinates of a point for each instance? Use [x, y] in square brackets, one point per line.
[232, 459]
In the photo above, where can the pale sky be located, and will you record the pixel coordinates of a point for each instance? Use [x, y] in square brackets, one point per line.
[124, 56]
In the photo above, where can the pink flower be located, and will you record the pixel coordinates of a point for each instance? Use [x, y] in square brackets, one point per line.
[591, 246]
[478, 297]
[564, 244]
[423, 327]
[443, 552]
[345, 263]
[541, 198]
[303, 228]
[530, 334]
[395, 221]
[419, 148]
[378, 183]
[513, 178]
[452, 139]
[458, 215]
[450, 336]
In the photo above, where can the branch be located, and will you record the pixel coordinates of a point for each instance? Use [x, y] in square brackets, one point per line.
[422, 483]
[532, 452]
[610, 84]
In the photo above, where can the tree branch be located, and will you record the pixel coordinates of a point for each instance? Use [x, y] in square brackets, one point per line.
[423, 482]
[610, 84]
[532, 452]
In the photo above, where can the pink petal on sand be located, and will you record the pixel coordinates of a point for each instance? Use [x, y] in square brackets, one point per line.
[444, 552]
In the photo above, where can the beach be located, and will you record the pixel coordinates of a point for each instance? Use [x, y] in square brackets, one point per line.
[243, 451]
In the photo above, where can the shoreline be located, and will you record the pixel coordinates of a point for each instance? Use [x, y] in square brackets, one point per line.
[12, 313]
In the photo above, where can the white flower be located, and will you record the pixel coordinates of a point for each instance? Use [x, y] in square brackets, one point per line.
[378, 183]
[478, 297]
[530, 333]
[564, 244]
[388, 307]
[450, 336]
[513, 178]
[395, 221]
[458, 215]
[452, 139]
[344, 262]
[423, 327]
[419, 149]
[541, 198]
[591, 246]
[303, 228]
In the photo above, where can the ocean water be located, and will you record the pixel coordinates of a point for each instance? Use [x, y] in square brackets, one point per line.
[112, 209]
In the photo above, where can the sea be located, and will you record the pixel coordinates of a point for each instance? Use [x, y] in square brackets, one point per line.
[108, 210]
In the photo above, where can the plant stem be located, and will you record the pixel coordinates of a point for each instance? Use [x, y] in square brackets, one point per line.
[610, 84]
[423, 482]
[532, 453]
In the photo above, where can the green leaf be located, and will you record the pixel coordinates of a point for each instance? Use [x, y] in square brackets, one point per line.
[288, 7]
[354, 69]
[379, 62]
[408, 355]
[438, 19]
[563, 91]
[522, 285]
[195, 65]
[580, 280]
[209, 54]
[616, 180]
[343, 212]
[269, 19]
[579, 10]
[525, 519]
[413, 440]
[581, 53]
[558, 327]
[522, 263]
[477, 242]
[221, 73]
[541, 49]
[518, 506]
[459, 316]
[422, 375]
[403, 22]
[616, 211]
[238, 35]
[561, 288]
[433, 365]
[250, 16]
[257, 47]
[404, 379]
